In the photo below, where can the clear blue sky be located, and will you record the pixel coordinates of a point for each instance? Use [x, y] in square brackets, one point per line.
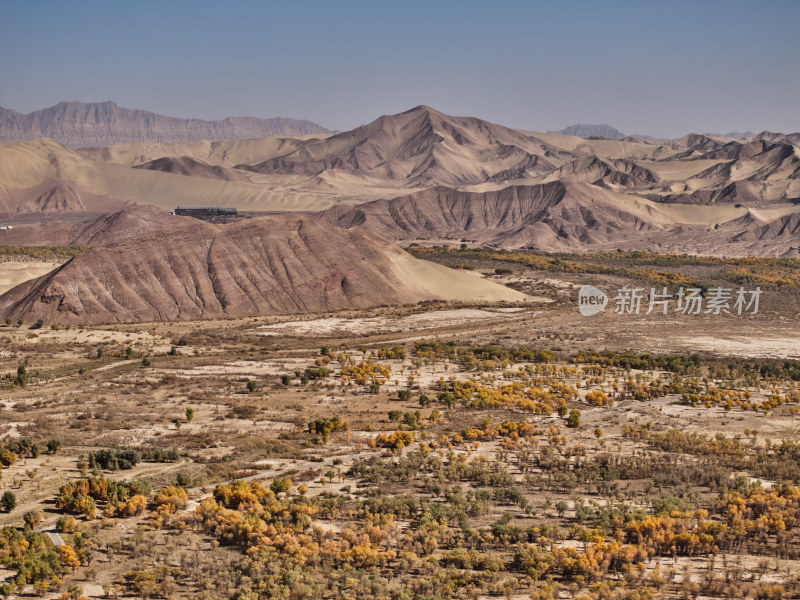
[653, 67]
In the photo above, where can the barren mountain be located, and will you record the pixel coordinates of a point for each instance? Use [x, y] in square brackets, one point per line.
[269, 265]
[674, 189]
[98, 231]
[75, 124]
[419, 147]
[561, 216]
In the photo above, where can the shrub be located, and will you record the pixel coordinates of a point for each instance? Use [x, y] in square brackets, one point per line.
[281, 485]
[574, 419]
[114, 460]
[22, 376]
[8, 501]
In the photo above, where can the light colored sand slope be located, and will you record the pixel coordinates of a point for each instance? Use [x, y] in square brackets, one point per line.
[451, 284]
[678, 170]
[224, 153]
[12, 273]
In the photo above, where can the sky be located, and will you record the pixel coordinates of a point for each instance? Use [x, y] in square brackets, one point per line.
[661, 68]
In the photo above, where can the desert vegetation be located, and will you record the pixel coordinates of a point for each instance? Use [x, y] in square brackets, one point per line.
[454, 465]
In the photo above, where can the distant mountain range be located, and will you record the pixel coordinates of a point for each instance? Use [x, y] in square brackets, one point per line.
[611, 133]
[76, 125]
[586, 131]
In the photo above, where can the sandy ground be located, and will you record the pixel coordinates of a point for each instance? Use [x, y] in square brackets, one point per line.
[427, 320]
[138, 339]
[782, 347]
[12, 273]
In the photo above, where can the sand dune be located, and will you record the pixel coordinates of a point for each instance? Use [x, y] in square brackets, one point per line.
[13, 273]
[226, 153]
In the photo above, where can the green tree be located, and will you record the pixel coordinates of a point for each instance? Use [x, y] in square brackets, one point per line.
[574, 419]
[53, 446]
[189, 414]
[448, 398]
[22, 376]
[281, 485]
[8, 501]
[252, 385]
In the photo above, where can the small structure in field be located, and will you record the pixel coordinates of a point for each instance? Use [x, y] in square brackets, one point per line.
[207, 213]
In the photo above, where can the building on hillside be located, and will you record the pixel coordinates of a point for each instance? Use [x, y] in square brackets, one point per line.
[207, 213]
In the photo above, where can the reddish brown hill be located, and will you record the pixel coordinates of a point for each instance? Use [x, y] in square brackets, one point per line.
[555, 215]
[98, 231]
[262, 266]
[570, 217]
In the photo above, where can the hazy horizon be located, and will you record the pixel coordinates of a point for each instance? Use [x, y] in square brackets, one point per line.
[653, 70]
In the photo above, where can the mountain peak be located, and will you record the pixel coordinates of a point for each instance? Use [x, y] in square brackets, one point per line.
[420, 108]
